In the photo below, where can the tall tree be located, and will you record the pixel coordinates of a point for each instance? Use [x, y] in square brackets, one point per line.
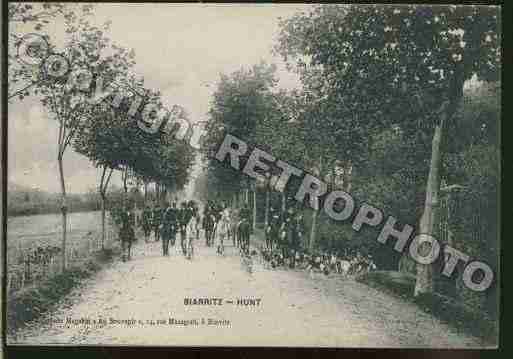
[401, 65]
[240, 102]
[84, 48]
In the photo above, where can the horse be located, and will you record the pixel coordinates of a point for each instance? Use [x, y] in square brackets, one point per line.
[234, 226]
[192, 234]
[208, 224]
[127, 236]
[223, 229]
[244, 231]
[270, 236]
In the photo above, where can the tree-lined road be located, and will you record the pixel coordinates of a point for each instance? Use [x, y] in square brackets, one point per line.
[294, 310]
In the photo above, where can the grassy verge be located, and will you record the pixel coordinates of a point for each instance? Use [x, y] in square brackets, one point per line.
[30, 303]
[446, 309]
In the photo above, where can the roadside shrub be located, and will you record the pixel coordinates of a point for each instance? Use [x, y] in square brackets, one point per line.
[442, 307]
[462, 317]
[29, 303]
[398, 283]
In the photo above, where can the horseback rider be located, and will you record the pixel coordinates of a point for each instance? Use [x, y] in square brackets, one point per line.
[196, 213]
[234, 222]
[273, 228]
[245, 227]
[192, 228]
[211, 218]
[217, 210]
[245, 213]
[126, 232]
[223, 227]
[207, 222]
[157, 219]
[298, 230]
[286, 228]
[183, 219]
[146, 222]
[169, 227]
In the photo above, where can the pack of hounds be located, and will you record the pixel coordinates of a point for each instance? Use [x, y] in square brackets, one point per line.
[323, 262]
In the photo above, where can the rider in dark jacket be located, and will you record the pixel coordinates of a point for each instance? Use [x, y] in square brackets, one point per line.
[245, 213]
[285, 233]
[169, 228]
[126, 232]
[273, 228]
[298, 230]
[146, 222]
[157, 219]
[205, 221]
[183, 217]
[244, 227]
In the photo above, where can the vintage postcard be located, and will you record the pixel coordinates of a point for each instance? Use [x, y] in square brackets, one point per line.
[252, 175]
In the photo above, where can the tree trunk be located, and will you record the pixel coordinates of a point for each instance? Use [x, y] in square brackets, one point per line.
[64, 210]
[348, 174]
[104, 184]
[103, 220]
[450, 234]
[267, 200]
[313, 231]
[125, 177]
[424, 282]
[254, 208]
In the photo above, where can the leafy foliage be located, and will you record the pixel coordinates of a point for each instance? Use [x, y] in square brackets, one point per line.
[240, 104]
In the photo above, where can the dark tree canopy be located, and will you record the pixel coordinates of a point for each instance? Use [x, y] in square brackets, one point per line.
[395, 62]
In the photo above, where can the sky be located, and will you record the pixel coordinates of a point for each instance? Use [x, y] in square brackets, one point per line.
[180, 50]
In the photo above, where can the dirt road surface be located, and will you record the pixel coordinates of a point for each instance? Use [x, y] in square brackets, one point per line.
[295, 309]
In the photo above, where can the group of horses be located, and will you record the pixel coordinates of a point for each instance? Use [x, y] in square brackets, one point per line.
[239, 228]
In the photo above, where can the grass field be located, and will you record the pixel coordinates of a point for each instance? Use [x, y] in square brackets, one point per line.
[46, 229]
[28, 232]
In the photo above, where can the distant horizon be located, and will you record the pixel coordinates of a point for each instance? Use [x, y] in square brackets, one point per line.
[16, 187]
[21, 187]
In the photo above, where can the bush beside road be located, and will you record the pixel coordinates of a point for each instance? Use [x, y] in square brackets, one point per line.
[445, 308]
[28, 304]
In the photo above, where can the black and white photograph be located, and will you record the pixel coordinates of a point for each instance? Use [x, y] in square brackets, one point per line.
[252, 175]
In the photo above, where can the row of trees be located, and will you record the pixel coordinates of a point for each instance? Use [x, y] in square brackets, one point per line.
[105, 131]
[384, 112]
